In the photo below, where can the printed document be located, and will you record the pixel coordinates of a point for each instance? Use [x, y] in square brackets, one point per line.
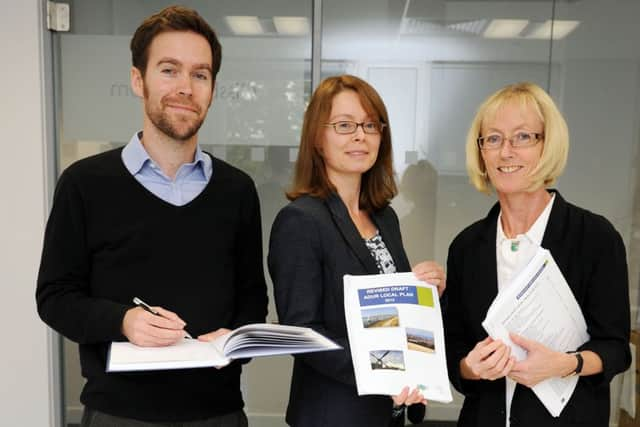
[260, 339]
[396, 335]
[539, 305]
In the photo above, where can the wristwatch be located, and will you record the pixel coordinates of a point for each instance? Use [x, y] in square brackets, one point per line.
[397, 411]
[580, 361]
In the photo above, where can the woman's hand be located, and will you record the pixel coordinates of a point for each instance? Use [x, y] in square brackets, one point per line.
[489, 360]
[406, 398]
[431, 272]
[541, 363]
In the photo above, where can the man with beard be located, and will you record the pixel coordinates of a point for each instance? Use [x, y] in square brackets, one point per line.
[163, 221]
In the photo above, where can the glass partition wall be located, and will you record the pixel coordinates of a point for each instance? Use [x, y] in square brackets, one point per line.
[433, 61]
[254, 121]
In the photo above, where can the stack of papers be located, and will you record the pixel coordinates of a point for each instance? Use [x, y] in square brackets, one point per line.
[539, 305]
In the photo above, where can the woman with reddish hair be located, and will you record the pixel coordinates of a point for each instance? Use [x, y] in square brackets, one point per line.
[338, 222]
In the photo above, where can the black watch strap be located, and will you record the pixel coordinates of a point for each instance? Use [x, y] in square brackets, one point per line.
[580, 362]
[579, 365]
[397, 411]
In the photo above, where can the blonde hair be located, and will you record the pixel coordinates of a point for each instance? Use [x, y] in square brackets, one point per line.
[555, 142]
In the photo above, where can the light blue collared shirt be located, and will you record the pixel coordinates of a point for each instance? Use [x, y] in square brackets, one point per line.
[190, 180]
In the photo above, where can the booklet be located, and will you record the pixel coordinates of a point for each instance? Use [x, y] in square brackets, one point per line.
[259, 339]
[396, 335]
[539, 305]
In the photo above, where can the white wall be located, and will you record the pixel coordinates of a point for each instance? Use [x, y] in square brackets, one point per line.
[25, 397]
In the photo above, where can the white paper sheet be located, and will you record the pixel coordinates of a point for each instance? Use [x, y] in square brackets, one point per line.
[539, 305]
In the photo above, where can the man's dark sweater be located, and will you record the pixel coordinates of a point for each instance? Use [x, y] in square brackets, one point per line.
[109, 239]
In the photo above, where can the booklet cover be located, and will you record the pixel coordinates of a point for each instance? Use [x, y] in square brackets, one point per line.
[396, 335]
[259, 339]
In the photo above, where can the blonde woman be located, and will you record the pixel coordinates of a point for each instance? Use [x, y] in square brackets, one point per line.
[517, 146]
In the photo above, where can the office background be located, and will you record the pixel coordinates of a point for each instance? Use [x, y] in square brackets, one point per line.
[433, 61]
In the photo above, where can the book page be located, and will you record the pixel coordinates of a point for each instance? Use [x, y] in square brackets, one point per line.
[266, 339]
[187, 353]
[539, 305]
[259, 339]
[396, 335]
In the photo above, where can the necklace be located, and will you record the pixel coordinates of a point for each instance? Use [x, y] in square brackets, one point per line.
[515, 244]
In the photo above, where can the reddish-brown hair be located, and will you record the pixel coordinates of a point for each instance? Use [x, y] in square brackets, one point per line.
[172, 18]
[310, 175]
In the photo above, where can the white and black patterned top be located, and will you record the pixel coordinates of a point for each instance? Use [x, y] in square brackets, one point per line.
[381, 254]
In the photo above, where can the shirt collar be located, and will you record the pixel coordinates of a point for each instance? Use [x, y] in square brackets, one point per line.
[135, 157]
[536, 232]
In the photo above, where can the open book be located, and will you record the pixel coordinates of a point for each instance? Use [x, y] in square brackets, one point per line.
[539, 305]
[396, 335]
[260, 339]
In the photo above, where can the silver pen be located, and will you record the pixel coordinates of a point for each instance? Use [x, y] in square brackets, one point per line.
[146, 307]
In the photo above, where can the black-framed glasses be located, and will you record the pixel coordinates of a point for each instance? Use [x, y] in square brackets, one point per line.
[344, 127]
[517, 140]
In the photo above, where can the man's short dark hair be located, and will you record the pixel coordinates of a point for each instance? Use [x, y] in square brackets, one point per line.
[173, 18]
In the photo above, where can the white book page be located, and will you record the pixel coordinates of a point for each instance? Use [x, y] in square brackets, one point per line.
[187, 353]
[258, 339]
[539, 305]
[396, 335]
[264, 339]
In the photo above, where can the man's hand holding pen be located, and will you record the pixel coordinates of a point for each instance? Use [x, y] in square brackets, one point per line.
[152, 326]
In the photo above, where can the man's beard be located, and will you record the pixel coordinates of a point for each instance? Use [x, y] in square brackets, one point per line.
[161, 120]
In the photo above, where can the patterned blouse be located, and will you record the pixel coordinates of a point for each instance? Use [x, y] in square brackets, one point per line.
[381, 254]
[385, 264]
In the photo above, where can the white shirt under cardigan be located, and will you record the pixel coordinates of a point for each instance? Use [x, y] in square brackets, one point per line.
[512, 255]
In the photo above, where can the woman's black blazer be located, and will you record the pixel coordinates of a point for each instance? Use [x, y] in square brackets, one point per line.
[591, 256]
[313, 245]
